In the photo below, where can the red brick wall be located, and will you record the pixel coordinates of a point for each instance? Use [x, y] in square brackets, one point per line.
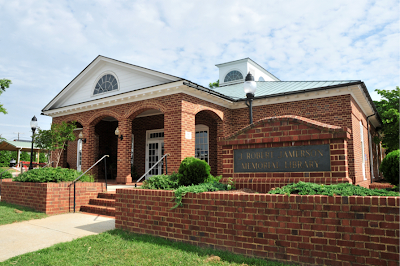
[51, 198]
[308, 230]
[286, 131]
[355, 165]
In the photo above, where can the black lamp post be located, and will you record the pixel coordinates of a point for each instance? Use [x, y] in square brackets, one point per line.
[34, 125]
[250, 89]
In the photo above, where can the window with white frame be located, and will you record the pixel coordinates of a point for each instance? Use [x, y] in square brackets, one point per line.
[233, 75]
[106, 83]
[201, 143]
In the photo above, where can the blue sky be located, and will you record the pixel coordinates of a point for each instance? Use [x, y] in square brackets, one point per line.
[45, 44]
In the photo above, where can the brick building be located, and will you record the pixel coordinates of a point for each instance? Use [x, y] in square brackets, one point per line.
[157, 113]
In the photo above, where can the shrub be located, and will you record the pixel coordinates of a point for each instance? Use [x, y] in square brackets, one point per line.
[345, 189]
[390, 167]
[211, 179]
[49, 174]
[205, 187]
[5, 175]
[167, 182]
[193, 171]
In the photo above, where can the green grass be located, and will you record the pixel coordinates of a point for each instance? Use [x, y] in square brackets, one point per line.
[117, 247]
[11, 213]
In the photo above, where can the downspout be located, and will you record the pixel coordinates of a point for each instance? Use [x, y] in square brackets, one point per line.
[371, 168]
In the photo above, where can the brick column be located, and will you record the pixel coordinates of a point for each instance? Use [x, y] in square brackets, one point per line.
[88, 148]
[176, 124]
[124, 152]
[220, 136]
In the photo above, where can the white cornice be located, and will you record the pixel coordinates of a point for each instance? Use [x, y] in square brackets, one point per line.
[177, 87]
[133, 96]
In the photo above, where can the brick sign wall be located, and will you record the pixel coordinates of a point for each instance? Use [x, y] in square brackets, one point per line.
[281, 150]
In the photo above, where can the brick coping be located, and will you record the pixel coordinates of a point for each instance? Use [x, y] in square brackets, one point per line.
[292, 118]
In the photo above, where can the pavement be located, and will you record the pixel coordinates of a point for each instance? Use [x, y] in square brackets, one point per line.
[28, 236]
[115, 187]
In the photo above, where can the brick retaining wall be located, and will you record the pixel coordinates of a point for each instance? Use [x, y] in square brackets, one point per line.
[51, 198]
[301, 229]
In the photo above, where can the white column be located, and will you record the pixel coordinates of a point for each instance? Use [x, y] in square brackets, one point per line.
[18, 155]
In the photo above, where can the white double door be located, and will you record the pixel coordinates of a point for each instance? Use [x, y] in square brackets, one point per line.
[154, 152]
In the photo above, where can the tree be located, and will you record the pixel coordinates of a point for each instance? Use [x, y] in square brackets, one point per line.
[214, 85]
[388, 109]
[55, 138]
[4, 84]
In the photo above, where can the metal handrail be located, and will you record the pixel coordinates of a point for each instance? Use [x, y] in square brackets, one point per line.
[1, 174]
[74, 182]
[166, 169]
[48, 164]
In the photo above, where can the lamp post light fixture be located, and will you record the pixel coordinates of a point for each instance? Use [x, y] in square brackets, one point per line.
[81, 137]
[118, 134]
[34, 125]
[250, 87]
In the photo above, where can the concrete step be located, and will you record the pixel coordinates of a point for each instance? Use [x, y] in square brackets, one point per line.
[103, 202]
[107, 195]
[102, 210]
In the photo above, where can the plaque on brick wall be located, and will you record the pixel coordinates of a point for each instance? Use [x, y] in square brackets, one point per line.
[311, 158]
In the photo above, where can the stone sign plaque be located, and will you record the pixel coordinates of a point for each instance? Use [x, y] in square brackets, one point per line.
[283, 159]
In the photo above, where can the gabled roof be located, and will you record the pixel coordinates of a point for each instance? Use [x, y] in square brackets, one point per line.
[96, 60]
[275, 88]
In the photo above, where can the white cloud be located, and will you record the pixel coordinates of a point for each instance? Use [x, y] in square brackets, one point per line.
[45, 44]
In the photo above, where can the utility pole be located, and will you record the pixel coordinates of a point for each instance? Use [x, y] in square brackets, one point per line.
[18, 134]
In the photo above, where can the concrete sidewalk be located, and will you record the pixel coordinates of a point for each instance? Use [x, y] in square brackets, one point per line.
[28, 236]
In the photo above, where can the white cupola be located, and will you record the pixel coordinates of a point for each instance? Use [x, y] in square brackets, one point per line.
[235, 72]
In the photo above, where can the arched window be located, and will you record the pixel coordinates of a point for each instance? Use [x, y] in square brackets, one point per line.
[233, 75]
[261, 79]
[107, 83]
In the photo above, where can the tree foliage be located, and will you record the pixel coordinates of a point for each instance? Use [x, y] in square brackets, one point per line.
[214, 84]
[388, 109]
[390, 167]
[56, 138]
[4, 84]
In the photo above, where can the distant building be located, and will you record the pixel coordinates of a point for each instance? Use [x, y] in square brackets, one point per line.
[316, 131]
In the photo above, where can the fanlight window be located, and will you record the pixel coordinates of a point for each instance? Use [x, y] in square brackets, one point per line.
[106, 83]
[261, 79]
[233, 75]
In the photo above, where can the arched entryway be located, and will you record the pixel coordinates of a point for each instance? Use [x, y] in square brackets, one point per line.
[106, 143]
[147, 145]
[208, 127]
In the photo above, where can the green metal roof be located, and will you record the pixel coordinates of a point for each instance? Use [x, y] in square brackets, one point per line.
[275, 88]
[9, 145]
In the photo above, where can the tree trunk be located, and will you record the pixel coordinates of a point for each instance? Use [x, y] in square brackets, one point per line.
[59, 153]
